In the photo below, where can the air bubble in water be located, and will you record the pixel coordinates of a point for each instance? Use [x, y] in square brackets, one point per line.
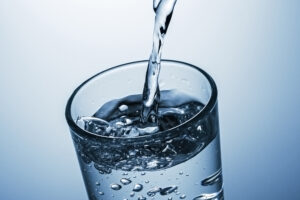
[148, 130]
[152, 164]
[128, 121]
[123, 107]
[133, 132]
[102, 169]
[115, 186]
[199, 128]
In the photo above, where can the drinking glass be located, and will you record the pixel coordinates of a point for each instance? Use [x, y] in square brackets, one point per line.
[183, 162]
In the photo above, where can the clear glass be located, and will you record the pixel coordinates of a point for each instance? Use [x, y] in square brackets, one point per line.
[198, 175]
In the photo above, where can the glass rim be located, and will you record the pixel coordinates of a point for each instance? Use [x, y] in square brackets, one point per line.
[208, 107]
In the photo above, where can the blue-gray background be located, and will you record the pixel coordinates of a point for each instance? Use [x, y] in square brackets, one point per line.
[250, 47]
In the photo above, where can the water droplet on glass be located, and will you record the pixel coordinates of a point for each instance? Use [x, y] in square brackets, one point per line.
[168, 190]
[97, 183]
[214, 178]
[211, 196]
[115, 186]
[138, 187]
[153, 191]
[125, 181]
[146, 181]
[142, 198]
[132, 194]
[182, 196]
[101, 193]
[143, 173]
[181, 172]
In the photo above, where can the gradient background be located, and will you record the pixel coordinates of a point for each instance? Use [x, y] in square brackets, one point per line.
[250, 47]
